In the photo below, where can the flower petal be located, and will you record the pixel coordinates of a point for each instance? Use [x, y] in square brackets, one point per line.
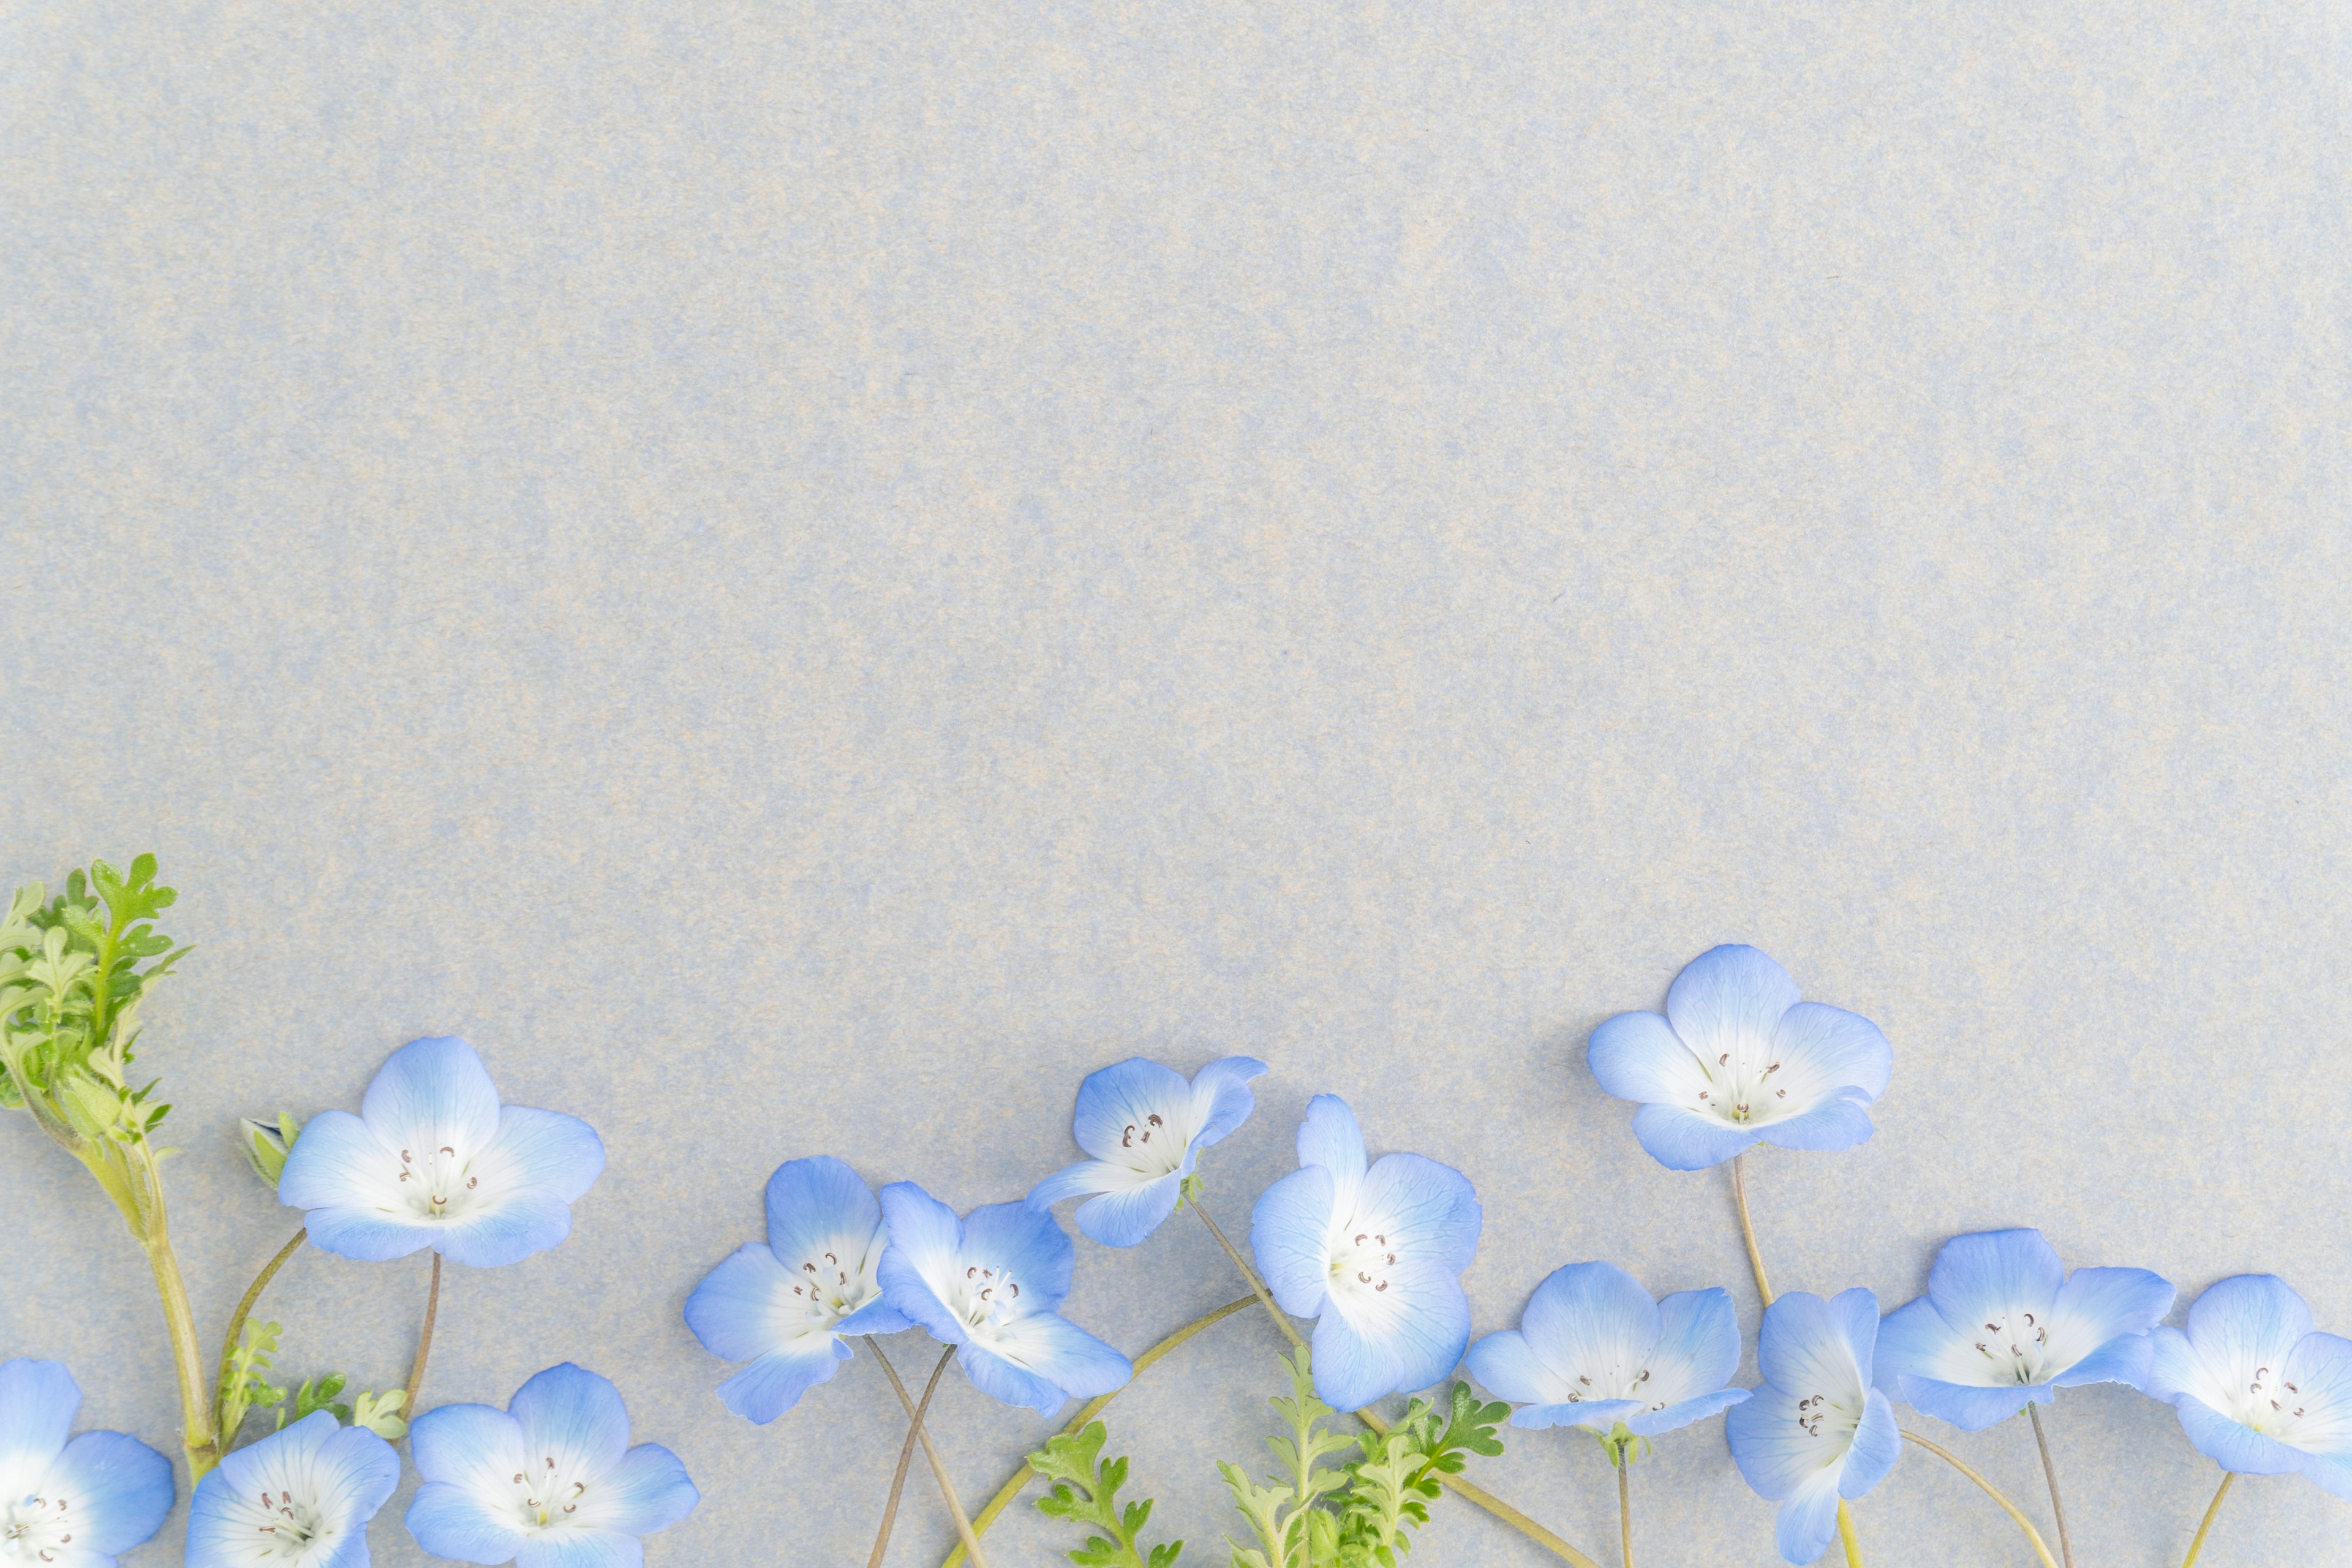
[1697, 1347]
[1968, 1407]
[451, 1521]
[581, 1549]
[1878, 1444]
[1116, 1104]
[1221, 1101]
[1834, 1124]
[1329, 1137]
[1426, 1206]
[2123, 1359]
[121, 1489]
[1769, 1443]
[1289, 1235]
[1088, 1176]
[365, 1237]
[1823, 1049]
[37, 1401]
[575, 1416]
[504, 1231]
[1913, 1339]
[1682, 1412]
[428, 1093]
[338, 1164]
[1817, 1347]
[2098, 1306]
[744, 1308]
[646, 1491]
[1729, 999]
[774, 1383]
[1125, 1218]
[1994, 1276]
[1049, 1346]
[1025, 1243]
[1593, 1320]
[876, 1317]
[473, 1448]
[925, 1236]
[2318, 1375]
[540, 1149]
[1433, 1328]
[813, 1204]
[2239, 1449]
[1680, 1141]
[2254, 1319]
[1507, 1366]
[1352, 1369]
[1638, 1056]
[1807, 1521]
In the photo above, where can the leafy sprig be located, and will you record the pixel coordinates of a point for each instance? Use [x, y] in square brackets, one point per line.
[1086, 1492]
[245, 1386]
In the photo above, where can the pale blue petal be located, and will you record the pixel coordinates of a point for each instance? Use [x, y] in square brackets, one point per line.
[1286, 1235]
[1680, 1141]
[1829, 1044]
[924, 1238]
[647, 1491]
[351, 1551]
[1910, 1340]
[1076, 1181]
[1026, 1244]
[546, 1149]
[876, 1317]
[581, 1549]
[1430, 1207]
[1007, 1384]
[2330, 1470]
[355, 1471]
[1808, 1522]
[1698, 1342]
[1050, 1347]
[1856, 1311]
[2173, 1368]
[1591, 1318]
[1878, 1444]
[2123, 1359]
[1775, 1454]
[1507, 1366]
[366, 1237]
[1828, 1127]
[1820, 1345]
[1992, 1276]
[1969, 1407]
[1728, 995]
[1638, 1056]
[2254, 1319]
[451, 1523]
[1230, 1101]
[814, 1201]
[575, 1416]
[2320, 1368]
[744, 1308]
[1351, 1369]
[774, 1383]
[1597, 1415]
[1114, 1103]
[1125, 1218]
[465, 1445]
[1650, 1423]
[2097, 1305]
[2238, 1448]
[37, 1401]
[1329, 1137]
[506, 1232]
[121, 1489]
[337, 1164]
[1433, 1328]
[428, 1093]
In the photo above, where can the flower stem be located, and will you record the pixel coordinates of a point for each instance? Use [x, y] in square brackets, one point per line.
[237, 1323]
[201, 1442]
[2197, 1546]
[905, 1456]
[1748, 1227]
[2050, 1470]
[1846, 1535]
[939, 1468]
[1625, 1511]
[1265, 1296]
[2010, 1508]
[424, 1343]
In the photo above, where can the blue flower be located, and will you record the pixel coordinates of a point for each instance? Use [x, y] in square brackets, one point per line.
[75, 1504]
[432, 1160]
[1593, 1350]
[301, 1498]
[1737, 1057]
[2256, 1390]
[787, 1307]
[1374, 1255]
[2003, 1324]
[992, 1282]
[1816, 1432]
[1145, 1126]
[549, 1482]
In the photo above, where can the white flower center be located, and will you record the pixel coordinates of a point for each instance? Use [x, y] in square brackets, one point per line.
[548, 1497]
[33, 1527]
[2015, 1348]
[1612, 1381]
[1362, 1258]
[986, 1295]
[1152, 1148]
[1740, 1085]
[1831, 1422]
[437, 1184]
[829, 1285]
[2269, 1404]
[285, 1530]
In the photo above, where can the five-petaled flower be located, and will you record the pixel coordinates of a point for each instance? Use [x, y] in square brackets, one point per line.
[1145, 1127]
[301, 1498]
[1817, 1431]
[70, 1503]
[432, 1160]
[1593, 1350]
[549, 1482]
[2003, 1324]
[1738, 1058]
[992, 1283]
[1375, 1255]
[2257, 1390]
[786, 1307]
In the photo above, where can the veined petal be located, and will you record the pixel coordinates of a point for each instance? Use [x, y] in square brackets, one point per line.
[876, 1317]
[2247, 1321]
[2123, 1359]
[2098, 1306]
[1823, 1049]
[1638, 1056]
[354, 1472]
[2333, 1471]
[573, 1415]
[744, 1308]
[925, 1236]
[542, 1148]
[1833, 1124]
[120, 1488]
[1289, 1235]
[504, 1231]
[1507, 1366]
[37, 1401]
[1878, 1444]
[1048, 1344]
[338, 1163]
[431, 1092]
[1697, 1347]
[366, 1237]
[1806, 1522]
[2239, 1449]
[1117, 1103]
[1329, 1138]
[1432, 1331]
[1682, 1412]
[1913, 1339]
[581, 1549]
[1994, 1277]
[2314, 1398]
[1971, 1407]
[1088, 1176]
[1808, 1344]
[1222, 1099]
[2173, 1367]
[1426, 1206]
[774, 1383]
[1125, 1218]
[1593, 1320]
[1776, 1452]
[647, 1491]
[1680, 1141]
[473, 1448]
[1352, 1369]
[813, 1204]
[452, 1522]
[1029, 1247]
[351, 1551]
[1009, 1384]
[1729, 999]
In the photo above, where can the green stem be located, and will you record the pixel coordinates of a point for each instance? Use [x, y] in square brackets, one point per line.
[1257, 1285]
[2197, 1546]
[905, 1456]
[964, 1532]
[236, 1323]
[424, 1345]
[1625, 1511]
[198, 1437]
[2006, 1506]
[1846, 1535]
[1747, 1227]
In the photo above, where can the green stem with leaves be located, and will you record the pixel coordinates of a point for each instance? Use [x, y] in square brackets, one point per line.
[236, 1327]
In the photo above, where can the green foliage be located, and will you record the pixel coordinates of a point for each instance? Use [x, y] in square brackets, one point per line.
[266, 1145]
[317, 1395]
[245, 1385]
[1359, 1514]
[1086, 1492]
[379, 1414]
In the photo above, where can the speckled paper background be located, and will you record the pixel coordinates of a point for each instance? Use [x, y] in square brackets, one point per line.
[804, 576]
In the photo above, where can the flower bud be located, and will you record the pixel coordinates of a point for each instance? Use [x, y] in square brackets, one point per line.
[266, 1147]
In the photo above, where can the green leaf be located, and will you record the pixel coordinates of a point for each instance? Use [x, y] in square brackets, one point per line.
[1086, 1492]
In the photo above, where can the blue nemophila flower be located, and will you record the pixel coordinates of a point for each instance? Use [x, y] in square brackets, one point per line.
[301, 1498]
[1145, 1126]
[1593, 1350]
[78, 1503]
[992, 1282]
[2003, 1324]
[2257, 1390]
[1374, 1255]
[1817, 1431]
[786, 1307]
[432, 1160]
[549, 1482]
[1738, 1058]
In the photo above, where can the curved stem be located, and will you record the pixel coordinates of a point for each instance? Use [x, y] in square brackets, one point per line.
[1990, 1491]
[1747, 1227]
[1266, 1298]
[1625, 1513]
[2050, 1471]
[1846, 1535]
[905, 1456]
[2197, 1546]
[938, 1468]
[244, 1311]
[424, 1345]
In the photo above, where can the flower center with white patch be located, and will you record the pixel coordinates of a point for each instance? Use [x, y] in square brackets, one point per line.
[1362, 1259]
[32, 1527]
[286, 1529]
[831, 1283]
[2269, 1404]
[1831, 1422]
[1741, 1086]
[437, 1183]
[1151, 1147]
[1614, 1382]
[987, 1294]
[548, 1496]
[2015, 1348]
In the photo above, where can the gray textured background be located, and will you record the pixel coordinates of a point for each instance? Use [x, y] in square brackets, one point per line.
[804, 576]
